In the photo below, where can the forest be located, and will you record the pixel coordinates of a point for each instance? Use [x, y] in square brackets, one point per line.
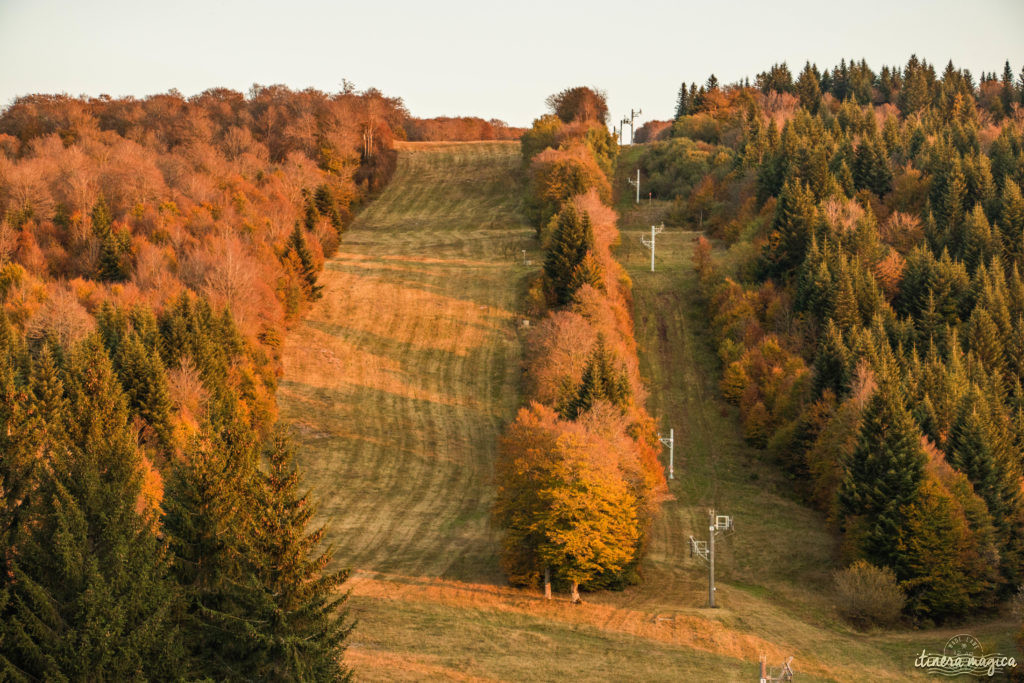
[152, 253]
[864, 284]
[860, 267]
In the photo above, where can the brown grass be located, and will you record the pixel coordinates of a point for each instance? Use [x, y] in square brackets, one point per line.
[398, 384]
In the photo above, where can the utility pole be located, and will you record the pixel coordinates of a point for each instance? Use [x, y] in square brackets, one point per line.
[706, 550]
[649, 243]
[671, 443]
[711, 561]
[636, 184]
[632, 118]
[622, 128]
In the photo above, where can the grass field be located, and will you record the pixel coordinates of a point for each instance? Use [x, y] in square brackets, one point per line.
[397, 385]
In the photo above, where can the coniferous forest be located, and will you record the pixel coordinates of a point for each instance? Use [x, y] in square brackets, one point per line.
[866, 290]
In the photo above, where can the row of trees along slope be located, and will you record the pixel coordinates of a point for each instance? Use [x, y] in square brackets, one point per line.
[578, 474]
[872, 333]
[151, 254]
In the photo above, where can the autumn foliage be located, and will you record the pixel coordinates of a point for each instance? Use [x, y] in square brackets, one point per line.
[152, 252]
[459, 128]
[578, 477]
[871, 330]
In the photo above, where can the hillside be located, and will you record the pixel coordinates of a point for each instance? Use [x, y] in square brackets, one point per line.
[397, 383]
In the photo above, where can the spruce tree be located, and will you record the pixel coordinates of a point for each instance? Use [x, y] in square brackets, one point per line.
[209, 521]
[144, 379]
[572, 239]
[883, 476]
[115, 253]
[302, 631]
[587, 272]
[603, 380]
[91, 598]
[938, 562]
[20, 426]
[980, 446]
[832, 365]
[101, 218]
[297, 255]
[808, 89]
[986, 341]
[845, 309]
[792, 227]
[1011, 222]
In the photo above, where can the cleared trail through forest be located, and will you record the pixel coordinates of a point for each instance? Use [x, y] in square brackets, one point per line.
[397, 385]
[398, 381]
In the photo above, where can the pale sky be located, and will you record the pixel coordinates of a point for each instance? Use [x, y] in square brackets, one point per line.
[474, 58]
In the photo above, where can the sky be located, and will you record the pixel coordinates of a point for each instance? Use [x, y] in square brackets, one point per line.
[478, 58]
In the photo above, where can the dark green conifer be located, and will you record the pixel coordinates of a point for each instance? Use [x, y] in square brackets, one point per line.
[297, 255]
[301, 632]
[209, 521]
[603, 380]
[808, 89]
[572, 239]
[91, 598]
[883, 476]
[792, 227]
[1011, 222]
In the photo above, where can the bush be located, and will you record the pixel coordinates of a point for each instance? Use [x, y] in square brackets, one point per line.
[867, 595]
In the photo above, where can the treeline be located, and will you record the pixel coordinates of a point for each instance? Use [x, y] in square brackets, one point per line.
[152, 251]
[578, 474]
[872, 333]
[459, 129]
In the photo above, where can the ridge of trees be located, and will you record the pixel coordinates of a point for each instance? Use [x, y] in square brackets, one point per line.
[578, 472]
[152, 252]
[459, 128]
[869, 333]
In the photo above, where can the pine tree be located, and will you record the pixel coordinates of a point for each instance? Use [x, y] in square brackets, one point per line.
[20, 425]
[938, 562]
[209, 521]
[588, 272]
[101, 218]
[301, 634]
[883, 476]
[572, 239]
[298, 257]
[808, 89]
[832, 371]
[145, 382]
[792, 227]
[1011, 222]
[92, 599]
[603, 380]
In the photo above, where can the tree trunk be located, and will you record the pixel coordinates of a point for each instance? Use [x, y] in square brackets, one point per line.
[547, 583]
[575, 592]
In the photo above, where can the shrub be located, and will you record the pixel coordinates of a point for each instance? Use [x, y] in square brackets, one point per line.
[867, 595]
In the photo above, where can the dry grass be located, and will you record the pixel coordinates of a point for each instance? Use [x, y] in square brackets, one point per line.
[398, 383]
[399, 380]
